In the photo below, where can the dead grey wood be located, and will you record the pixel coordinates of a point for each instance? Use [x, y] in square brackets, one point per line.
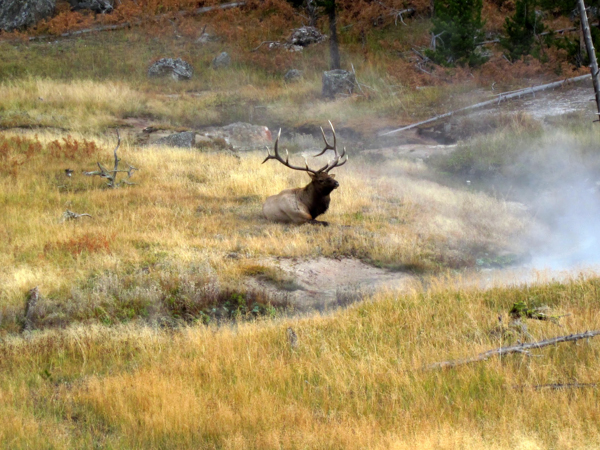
[70, 215]
[591, 51]
[133, 23]
[520, 348]
[556, 386]
[111, 175]
[498, 99]
[32, 298]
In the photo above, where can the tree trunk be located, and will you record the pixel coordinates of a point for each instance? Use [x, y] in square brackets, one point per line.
[591, 52]
[334, 48]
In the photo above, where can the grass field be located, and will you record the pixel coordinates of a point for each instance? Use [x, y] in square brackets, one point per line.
[148, 333]
[354, 380]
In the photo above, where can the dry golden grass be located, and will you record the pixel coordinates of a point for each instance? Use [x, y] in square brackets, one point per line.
[355, 380]
[195, 209]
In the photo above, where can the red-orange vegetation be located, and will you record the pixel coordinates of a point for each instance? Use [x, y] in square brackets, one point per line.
[15, 151]
[85, 243]
[70, 148]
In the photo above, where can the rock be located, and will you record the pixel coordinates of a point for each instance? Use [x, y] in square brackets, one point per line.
[338, 82]
[19, 14]
[180, 140]
[240, 136]
[306, 36]
[205, 38]
[222, 60]
[292, 76]
[98, 6]
[177, 68]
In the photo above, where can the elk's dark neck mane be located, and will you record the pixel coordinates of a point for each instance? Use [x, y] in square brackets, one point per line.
[317, 200]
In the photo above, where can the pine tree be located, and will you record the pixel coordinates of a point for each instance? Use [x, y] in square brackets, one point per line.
[457, 29]
[521, 29]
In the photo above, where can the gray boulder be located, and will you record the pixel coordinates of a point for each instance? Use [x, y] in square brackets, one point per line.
[19, 14]
[222, 60]
[292, 76]
[306, 36]
[177, 68]
[180, 140]
[240, 136]
[338, 82]
[98, 6]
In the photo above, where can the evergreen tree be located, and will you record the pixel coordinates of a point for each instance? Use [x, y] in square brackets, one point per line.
[457, 29]
[521, 29]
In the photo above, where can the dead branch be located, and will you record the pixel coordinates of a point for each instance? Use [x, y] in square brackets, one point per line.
[545, 33]
[111, 175]
[555, 386]
[520, 348]
[499, 98]
[32, 298]
[132, 23]
[70, 215]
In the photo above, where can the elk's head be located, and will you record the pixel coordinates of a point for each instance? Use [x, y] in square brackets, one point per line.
[322, 180]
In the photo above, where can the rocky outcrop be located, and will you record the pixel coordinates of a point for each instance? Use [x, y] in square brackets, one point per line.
[19, 14]
[221, 61]
[98, 6]
[178, 69]
[180, 140]
[240, 136]
[306, 36]
[292, 76]
[338, 82]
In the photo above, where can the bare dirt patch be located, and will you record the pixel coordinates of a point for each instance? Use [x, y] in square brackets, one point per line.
[323, 283]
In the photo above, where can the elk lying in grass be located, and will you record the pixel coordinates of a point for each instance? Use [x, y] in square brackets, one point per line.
[304, 205]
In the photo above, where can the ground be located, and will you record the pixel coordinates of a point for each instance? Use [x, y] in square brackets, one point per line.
[164, 317]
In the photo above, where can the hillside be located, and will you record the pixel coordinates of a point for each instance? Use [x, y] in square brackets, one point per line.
[168, 312]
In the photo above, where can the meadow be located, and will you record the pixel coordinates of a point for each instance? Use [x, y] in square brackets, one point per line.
[149, 332]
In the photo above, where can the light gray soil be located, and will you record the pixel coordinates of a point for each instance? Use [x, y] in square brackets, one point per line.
[323, 284]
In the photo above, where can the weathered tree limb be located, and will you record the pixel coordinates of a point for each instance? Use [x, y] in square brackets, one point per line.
[499, 98]
[521, 348]
[111, 175]
[556, 386]
[70, 215]
[589, 44]
[132, 23]
[545, 33]
[32, 298]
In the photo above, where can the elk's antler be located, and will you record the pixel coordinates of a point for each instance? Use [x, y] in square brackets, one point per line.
[287, 157]
[335, 162]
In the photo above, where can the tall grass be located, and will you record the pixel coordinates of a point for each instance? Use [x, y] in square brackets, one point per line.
[192, 207]
[355, 380]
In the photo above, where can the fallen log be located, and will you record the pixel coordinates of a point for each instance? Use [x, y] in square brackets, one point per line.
[520, 348]
[546, 33]
[499, 98]
[138, 22]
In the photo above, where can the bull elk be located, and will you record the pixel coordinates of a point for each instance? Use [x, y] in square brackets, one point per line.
[304, 205]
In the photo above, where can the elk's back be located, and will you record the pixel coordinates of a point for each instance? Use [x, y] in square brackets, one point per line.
[286, 207]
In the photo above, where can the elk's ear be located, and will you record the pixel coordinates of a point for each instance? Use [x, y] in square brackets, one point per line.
[332, 175]
[312, 175]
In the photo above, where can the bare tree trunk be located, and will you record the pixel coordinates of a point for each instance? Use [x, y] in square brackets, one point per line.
[311, 10]
[591, 52]
[334, 48]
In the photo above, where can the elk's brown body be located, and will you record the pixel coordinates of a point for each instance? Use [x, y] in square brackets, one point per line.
[304, 205]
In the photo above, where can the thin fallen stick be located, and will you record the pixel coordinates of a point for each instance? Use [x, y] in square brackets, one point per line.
[545, 33]
[555, 386]
[521, 348]
[496, 100]
[129, 24]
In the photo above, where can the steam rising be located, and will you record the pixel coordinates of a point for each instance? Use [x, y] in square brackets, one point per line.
[562, 188]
